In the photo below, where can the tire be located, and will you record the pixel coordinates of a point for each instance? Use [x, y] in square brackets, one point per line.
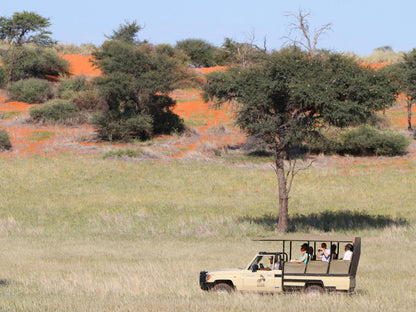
[314, 290]
[222, 288]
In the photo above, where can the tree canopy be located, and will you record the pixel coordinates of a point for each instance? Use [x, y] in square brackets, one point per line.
[288, 97]
[127, 32]
[403, 75]
[26, 27]
[136, 81]
[200, 52]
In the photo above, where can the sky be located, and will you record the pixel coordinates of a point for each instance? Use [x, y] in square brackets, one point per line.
[358, 26]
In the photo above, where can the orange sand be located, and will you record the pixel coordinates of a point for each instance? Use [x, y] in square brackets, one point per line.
[375, 66]
[81, 65]
[208, 70]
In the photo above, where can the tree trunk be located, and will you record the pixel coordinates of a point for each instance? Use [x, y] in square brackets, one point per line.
[283, 193]
[10, 77]
[409, 114]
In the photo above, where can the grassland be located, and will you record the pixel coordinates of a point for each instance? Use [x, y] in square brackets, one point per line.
[88, 234]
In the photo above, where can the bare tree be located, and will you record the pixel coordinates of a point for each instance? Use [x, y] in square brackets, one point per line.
[300, 24]
[245, 53]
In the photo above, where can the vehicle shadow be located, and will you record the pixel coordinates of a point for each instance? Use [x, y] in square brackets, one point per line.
[328, 221]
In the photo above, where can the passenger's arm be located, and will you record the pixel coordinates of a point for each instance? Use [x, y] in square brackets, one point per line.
[301, 259]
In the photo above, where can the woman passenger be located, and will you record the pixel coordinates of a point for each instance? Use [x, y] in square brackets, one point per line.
[304, 257]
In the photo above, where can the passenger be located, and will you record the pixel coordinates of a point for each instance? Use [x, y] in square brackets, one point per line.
[273, 266]
[334, 254]
[325, 254]
[348, 252]
[304, 257]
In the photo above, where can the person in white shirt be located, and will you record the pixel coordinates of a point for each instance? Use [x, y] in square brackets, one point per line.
[274, 265]
[348, 252]
[325, 254]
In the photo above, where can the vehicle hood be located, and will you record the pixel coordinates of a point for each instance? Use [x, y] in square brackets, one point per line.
[224, 272]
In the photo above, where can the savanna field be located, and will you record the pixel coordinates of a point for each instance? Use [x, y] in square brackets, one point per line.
[93, 226]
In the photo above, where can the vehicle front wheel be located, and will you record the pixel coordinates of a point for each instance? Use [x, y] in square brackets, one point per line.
[222, 288]
[314, 290]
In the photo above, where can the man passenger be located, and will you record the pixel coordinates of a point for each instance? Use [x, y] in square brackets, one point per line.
[325, 253]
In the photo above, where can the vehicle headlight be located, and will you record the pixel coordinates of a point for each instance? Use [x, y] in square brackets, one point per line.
[208, 276]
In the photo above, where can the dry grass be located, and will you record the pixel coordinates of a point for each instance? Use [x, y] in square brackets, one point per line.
[105, 235]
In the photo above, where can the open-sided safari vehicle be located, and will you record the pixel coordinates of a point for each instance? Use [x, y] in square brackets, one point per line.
[275, 272]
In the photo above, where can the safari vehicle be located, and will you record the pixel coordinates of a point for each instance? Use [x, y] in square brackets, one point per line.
[275, 272]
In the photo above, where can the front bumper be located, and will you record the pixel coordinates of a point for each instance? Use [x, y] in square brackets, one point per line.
[203, 280]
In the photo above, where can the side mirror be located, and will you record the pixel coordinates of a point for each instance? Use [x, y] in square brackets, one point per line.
[255, 268]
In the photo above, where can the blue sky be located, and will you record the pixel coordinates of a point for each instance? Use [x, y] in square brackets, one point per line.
[357, 26]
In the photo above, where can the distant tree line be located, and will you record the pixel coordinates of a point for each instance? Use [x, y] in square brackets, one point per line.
[132, 97]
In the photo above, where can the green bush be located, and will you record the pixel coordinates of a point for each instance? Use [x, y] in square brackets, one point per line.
[200, 52]
[34, 63]
[5, 143]
[31, 91]
[56, 111]
[68, 88]
[3, 76]
[89, 100]
[366, 141]
[392, 144]
[361, 141]
[114, 128]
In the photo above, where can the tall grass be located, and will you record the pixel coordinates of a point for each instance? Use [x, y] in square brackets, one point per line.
[107, 235]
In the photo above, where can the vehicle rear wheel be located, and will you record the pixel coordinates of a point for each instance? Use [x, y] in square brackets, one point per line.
[314, 290]
[222, 288]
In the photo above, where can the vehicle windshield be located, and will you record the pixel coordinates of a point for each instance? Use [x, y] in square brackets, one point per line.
[265, 262]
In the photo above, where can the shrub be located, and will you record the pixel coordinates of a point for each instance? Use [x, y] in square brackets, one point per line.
[34, 63]
[392, 144]
[200, 52]
[68, 88]
[5, 143]
[3, 76]
[112, 127]
[55, 111]
[31, 91]
[167, 122]
[362, 141]
[366, 140]
[89, 100]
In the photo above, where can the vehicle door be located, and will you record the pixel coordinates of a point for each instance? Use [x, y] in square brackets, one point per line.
[262, 276]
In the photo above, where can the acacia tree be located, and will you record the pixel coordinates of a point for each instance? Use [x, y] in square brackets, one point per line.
[127, 32]
[21, 29]
[403, 75]
[409, 68]
[286, 99]
[136, 82]
[200, 52]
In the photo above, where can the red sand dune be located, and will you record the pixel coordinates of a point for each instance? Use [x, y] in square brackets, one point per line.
[81, 65]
